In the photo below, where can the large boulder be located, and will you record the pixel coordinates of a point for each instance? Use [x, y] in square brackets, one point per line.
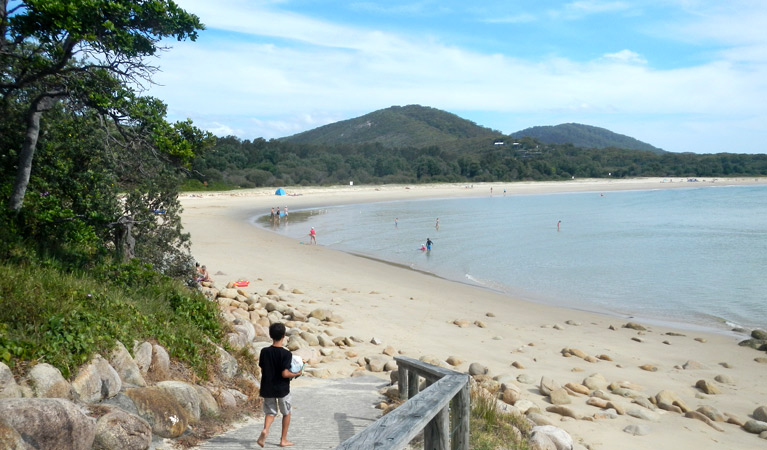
[228, 293]
[96, 381]
[236, 340]
[666, 397]
[8, 386]
[47, 382]
[310, 338]
[595, 381]
[321, 314]
[143, 357]
[560, 396]
[166, 417]
[160, 367]
[760, 413]
[121, 401]
[755, 426]
[547, 385]
[49, 423]
[560, 439]
[10, 439]
[510, 393]
[477, 369]
[119, 430]
[376, 363]
[225, 399]
[126, 366]
[296, 342]
[185, 395]
[245, 328]
[281, 308]
[208, 405]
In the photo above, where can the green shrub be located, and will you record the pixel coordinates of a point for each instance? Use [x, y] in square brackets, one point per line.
[61, 318]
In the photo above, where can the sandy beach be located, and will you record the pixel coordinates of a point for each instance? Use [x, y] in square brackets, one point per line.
[415, 313]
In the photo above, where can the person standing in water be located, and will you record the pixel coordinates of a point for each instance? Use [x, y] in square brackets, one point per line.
[396, 224]
[312, 236]
[436, 226]
[558, 225]
[428, 244]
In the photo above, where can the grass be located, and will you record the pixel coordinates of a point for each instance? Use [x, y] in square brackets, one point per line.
[492, 429]
[63, 318]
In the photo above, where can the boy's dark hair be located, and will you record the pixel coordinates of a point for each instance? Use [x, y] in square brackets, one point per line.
[277, 331]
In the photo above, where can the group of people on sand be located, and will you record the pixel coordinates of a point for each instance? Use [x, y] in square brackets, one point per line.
[201, 273]
[277, 215]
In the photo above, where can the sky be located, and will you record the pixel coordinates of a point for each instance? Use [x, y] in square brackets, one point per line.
[682, 75]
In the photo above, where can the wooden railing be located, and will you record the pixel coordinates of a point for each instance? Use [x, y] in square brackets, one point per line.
[441, 410]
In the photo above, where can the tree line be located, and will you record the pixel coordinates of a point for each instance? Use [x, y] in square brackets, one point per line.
[253, 163]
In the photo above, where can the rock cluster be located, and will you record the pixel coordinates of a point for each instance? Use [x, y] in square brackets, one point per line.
[118, 402]
[127, 402]
[314, 332]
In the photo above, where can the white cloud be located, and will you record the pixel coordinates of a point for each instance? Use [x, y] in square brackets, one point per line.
[516, 18]
[738, 27]
[422, 7]
[596, 6]
[625, 56]
[583, 8]
[264, 85]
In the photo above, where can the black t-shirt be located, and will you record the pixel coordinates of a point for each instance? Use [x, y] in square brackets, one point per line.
[272, 361]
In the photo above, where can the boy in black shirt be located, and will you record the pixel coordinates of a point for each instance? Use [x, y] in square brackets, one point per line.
[275, 383]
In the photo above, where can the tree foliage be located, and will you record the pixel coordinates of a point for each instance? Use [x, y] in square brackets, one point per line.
[245, 163]
[90, 53]
[107, 164]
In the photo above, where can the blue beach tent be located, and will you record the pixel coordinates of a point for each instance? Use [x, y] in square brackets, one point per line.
[279, 191]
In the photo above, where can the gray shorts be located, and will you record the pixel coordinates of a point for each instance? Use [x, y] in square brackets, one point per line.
[271, 404]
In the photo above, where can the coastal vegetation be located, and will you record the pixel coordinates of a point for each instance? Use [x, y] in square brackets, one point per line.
[492, 429]
[416, 144]
[91, 242]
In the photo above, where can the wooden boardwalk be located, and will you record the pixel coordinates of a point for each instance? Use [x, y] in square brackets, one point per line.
[325, 413]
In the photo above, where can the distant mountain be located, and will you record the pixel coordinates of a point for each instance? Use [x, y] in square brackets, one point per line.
[584, 136]
[397, 126]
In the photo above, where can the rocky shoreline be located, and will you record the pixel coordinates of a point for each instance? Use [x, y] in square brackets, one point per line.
[139, 401]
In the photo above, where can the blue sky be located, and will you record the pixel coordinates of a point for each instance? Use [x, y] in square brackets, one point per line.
[683, 75]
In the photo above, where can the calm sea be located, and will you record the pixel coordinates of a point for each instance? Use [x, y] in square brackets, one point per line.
[695, 257]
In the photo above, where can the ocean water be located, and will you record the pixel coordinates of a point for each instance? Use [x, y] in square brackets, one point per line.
[694, 257]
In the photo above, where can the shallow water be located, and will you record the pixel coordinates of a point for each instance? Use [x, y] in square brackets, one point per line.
[693, 256]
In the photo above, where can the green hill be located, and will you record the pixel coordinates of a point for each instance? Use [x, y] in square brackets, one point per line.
[397, 126]
[584, 136]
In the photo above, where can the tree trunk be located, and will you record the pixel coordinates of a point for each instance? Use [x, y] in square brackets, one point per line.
[41, 104]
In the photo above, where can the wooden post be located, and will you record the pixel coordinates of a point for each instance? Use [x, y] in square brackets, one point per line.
[402, 382]
[436, 435]
[412, 383]
[461, 408]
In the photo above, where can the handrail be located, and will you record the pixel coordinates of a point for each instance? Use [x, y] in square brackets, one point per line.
[443, 405]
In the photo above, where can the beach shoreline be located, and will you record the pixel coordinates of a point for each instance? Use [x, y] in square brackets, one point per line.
[720, 325]
[415, 312]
